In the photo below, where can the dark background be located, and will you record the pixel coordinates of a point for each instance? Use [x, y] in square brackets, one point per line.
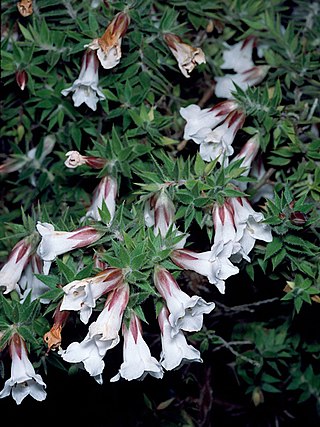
[207, 393]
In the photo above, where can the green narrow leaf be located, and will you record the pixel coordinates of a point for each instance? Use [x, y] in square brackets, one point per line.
[273, 247]
[65, 271]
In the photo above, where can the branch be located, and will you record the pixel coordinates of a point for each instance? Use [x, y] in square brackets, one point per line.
[263, 180]
[229, 345]
[245, 307]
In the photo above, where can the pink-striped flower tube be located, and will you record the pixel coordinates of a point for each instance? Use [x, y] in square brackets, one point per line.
[81, 295]
[247, 153]
[102, 336]
[218, 143]
[250, 226]
[137, 359]
[29, 283]
[54, 243]
[200, 122]
[175, 349]
[86, 87]
[225, 227]
[105, 192]
[23, 380]
[19, 257]
[238, 57]
[258, 171]
[214, 264]
[159, 213]
[75, 159]
[15, 162]
[186, 313]
[225, 84]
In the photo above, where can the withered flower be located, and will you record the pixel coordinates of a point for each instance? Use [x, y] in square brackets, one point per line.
[186, 55]
[25, 8]
[109, 45]
[53, 337]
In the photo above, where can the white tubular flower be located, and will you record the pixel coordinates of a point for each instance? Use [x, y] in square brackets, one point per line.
[24, 380]
[14, 162]
[95, 4]
[187, 56]
[224, 226]
[238, 57]
[186, 312]
[102, 336]
[48, 144]
[218, 143]
[251, 77]
[247, 154]
[175, 349]
[11, 271]
[85, 87]
[110, 319]
[54, 243]
[105, 192]
[159, 212]
[74, 159]
[108, 46]
[81, 295]
[200, 122]
[29, 283]
[250, 226]
[137, 359]
[214, 264]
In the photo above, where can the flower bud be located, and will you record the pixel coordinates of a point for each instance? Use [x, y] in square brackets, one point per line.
[257, 396]
[21, 79]
[298, 218]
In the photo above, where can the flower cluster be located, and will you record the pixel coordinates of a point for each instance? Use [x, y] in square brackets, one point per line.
[237, 227]
[204, 128]
[238, 58]
[179, 313]
[106, 51]
[103, 301]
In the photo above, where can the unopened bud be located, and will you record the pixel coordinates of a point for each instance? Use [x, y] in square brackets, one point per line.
[257, 396]
[21, 79]
[210, 26]
[298, 218]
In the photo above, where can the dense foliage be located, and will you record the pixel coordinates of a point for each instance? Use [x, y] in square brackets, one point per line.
[121, 129]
